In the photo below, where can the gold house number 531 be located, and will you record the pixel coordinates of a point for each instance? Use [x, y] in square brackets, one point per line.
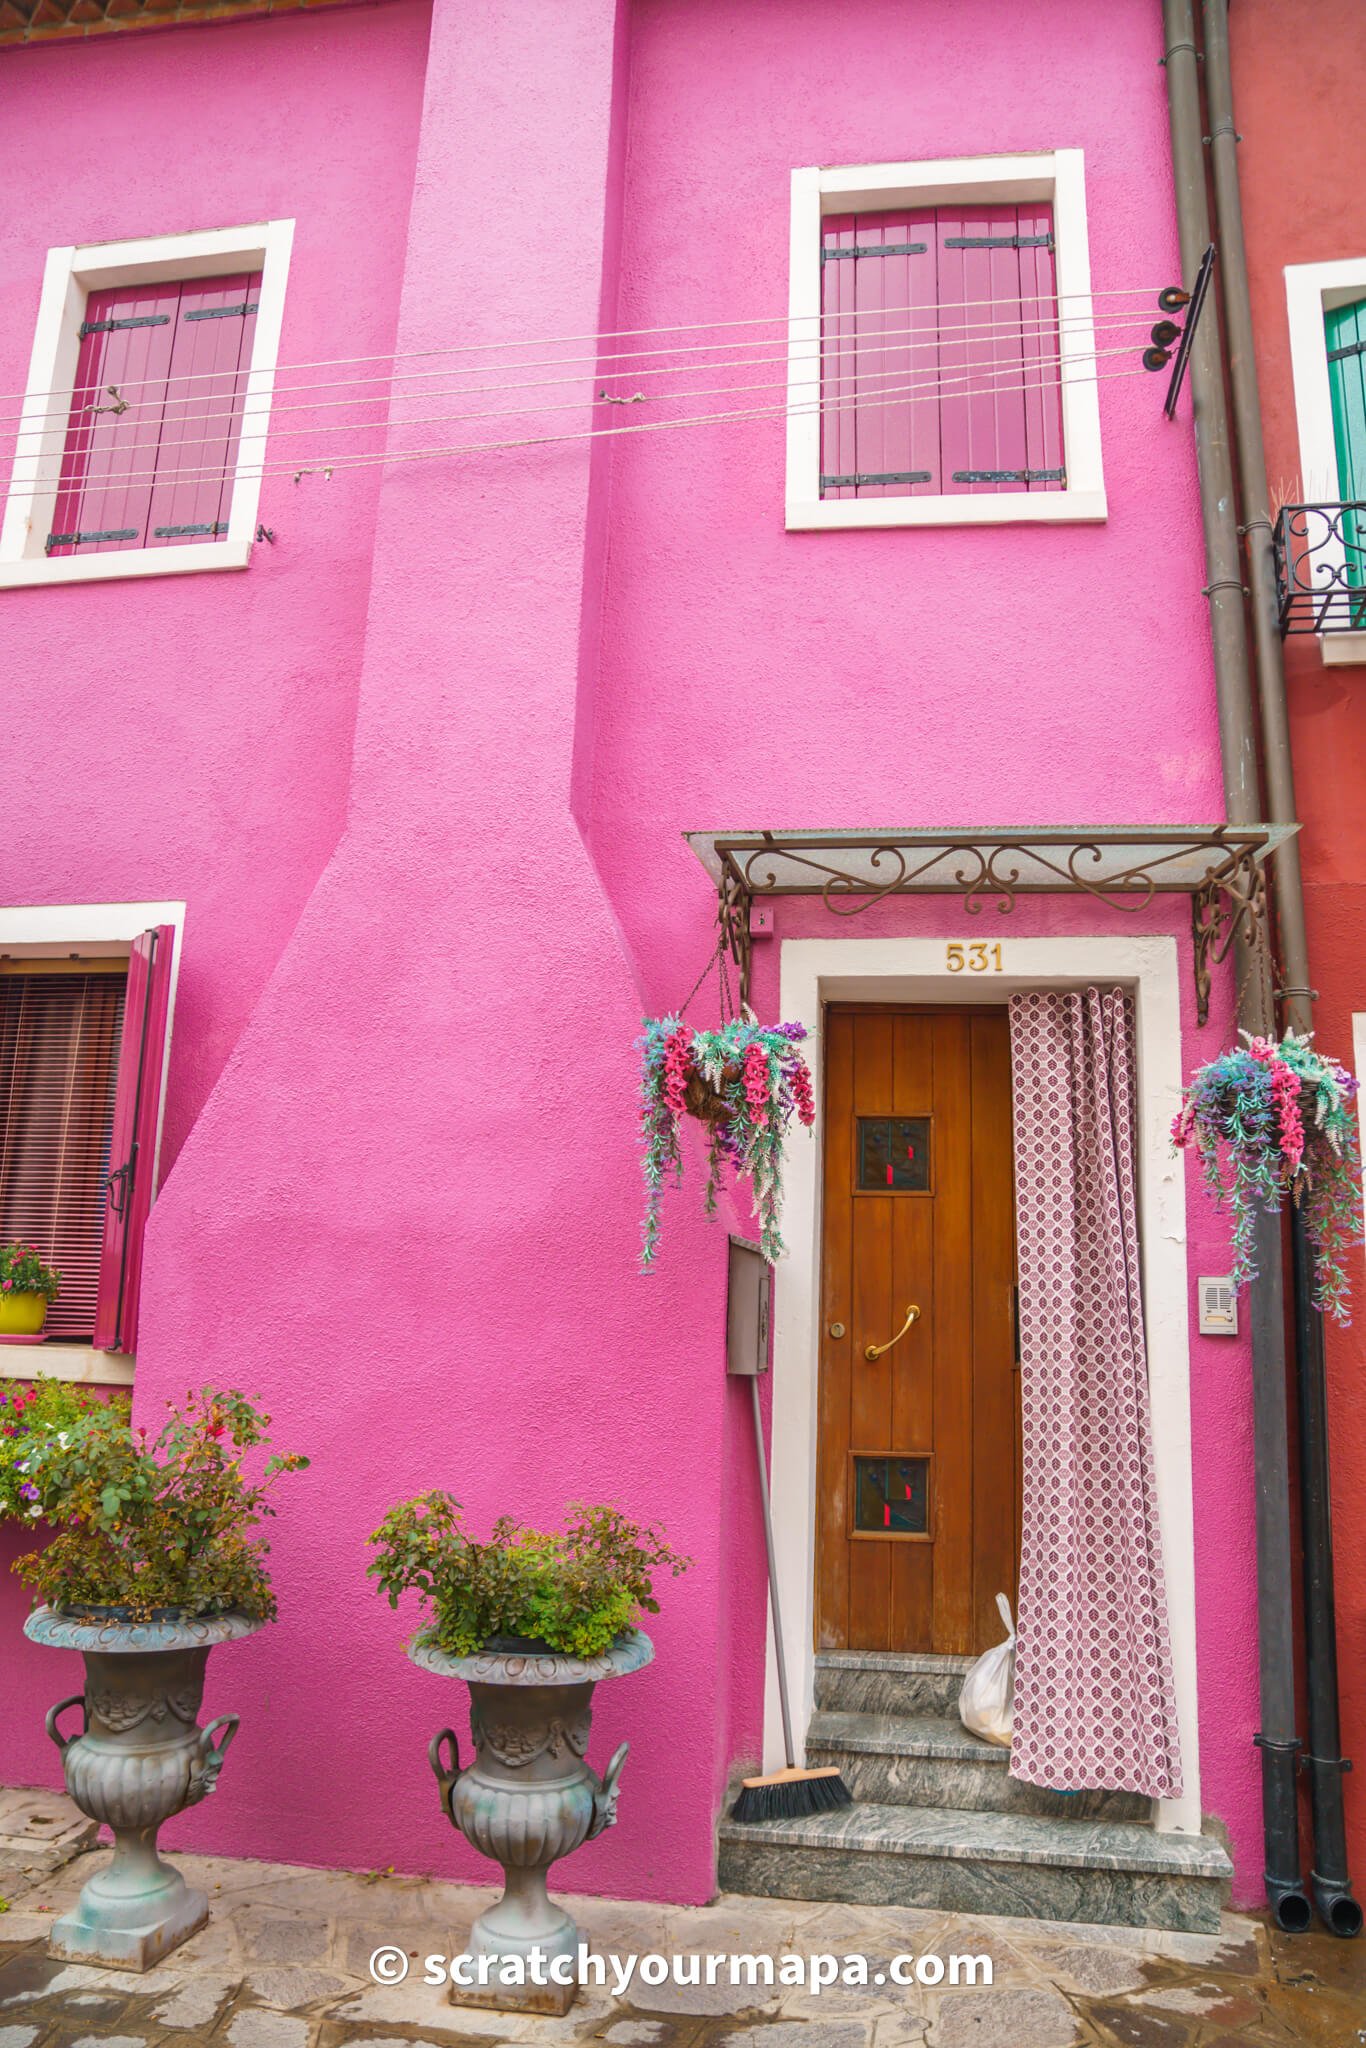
[975, 959]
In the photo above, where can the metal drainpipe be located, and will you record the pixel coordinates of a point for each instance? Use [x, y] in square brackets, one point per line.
[1324, 1763]
[1275, 1606]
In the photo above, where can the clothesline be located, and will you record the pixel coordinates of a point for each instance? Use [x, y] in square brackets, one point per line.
[787, 319]
[936, 386]
[316, 466]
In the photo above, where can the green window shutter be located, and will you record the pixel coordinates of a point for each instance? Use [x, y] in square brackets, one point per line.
[1345, 333]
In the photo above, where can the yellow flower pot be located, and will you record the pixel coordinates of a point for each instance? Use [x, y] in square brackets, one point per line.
[22, 1315]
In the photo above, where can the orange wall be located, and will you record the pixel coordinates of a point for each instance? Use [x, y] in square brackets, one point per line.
[1297, 73]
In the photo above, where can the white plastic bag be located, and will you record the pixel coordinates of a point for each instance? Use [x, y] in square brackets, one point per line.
[987, 1700]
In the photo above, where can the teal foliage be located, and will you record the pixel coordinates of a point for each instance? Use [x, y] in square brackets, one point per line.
[762, 1083]
[1275, 1119]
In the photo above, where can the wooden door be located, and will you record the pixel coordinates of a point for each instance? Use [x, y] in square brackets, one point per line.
[918, 1455]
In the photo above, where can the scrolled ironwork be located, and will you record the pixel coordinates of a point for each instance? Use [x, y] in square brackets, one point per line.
[1219, 866]
[861, 894]
[1232, 902]
[1320, 553]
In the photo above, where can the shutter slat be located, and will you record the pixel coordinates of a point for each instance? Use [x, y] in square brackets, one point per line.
[59, 1043]
[1040, 350]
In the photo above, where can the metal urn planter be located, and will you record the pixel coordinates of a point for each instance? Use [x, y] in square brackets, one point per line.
[140, 1758]
[527, 1799]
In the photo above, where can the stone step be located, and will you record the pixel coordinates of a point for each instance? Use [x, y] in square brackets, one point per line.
[1102, 1871]
[889, 1681]
[931, 1760]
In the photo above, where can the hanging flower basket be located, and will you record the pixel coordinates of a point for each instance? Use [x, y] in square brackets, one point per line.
[744, 1083]
[1271, 1119]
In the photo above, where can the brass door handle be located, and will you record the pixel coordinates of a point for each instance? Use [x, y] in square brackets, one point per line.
[871, 1351]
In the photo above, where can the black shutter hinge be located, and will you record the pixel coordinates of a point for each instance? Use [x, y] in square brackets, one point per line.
[884, 476]
[877, 249]
[137, 320]
[220, 312]
[1010, 476]
[998, 241]
[77, 540]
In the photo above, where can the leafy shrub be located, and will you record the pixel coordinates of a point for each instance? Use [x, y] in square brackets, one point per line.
[574, 1591]
[22, 1272]
[25, 1420]
[162, 1525]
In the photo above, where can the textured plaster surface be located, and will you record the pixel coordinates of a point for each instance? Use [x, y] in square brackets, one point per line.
[1303, 205]
[193, 733]
[407, 1212]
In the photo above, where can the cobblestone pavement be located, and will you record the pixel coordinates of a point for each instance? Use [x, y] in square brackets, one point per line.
[283, 1964]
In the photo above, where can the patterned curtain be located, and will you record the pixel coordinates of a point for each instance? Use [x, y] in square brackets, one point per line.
[1094, 1701]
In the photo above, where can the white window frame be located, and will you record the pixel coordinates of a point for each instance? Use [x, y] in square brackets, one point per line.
[1057, 176]
[94, 930]
[69, 277]
[1311, 290]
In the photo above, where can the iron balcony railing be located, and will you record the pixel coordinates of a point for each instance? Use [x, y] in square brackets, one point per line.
[1321, 568]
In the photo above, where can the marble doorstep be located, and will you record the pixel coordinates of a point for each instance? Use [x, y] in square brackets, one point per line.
[889, 1681]
[1113, 1872]
[931, 1760]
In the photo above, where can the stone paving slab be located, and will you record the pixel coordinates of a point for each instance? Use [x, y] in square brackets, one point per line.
[283, 1964]
[39, 1832]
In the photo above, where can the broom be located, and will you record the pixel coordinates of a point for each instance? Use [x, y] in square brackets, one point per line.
[789, 1794]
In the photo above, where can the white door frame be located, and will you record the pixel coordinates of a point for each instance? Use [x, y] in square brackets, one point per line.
[814, 972]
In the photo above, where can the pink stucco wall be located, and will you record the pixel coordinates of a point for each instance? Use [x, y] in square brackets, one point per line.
[196, 730]
[407, 1211]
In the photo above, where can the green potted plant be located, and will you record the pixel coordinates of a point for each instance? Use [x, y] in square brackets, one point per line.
[26, 1288]
[28, 1416]
[157, 1559]
[531, 1620]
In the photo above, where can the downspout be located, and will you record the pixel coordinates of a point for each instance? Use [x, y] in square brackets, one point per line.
[1324, 1763]
[1228, 632]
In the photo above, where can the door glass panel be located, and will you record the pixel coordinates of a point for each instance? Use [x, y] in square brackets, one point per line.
[892, 1496]
[894, 1152]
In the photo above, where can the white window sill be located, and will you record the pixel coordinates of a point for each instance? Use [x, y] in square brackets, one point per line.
[75, 1362]
[214, 554]
[1343, 650]
[1005, 508]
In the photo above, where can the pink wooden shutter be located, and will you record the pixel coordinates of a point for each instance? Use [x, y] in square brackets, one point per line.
[1000, 411]
[880, 427]
[103, 497]
[59, 1042]
[147, 463]
[210, 358]
[132, 1151]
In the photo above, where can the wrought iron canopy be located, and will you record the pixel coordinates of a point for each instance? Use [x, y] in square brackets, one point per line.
[1220, 867]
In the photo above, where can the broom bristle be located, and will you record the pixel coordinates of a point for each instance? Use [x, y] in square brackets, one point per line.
[791, 1795]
